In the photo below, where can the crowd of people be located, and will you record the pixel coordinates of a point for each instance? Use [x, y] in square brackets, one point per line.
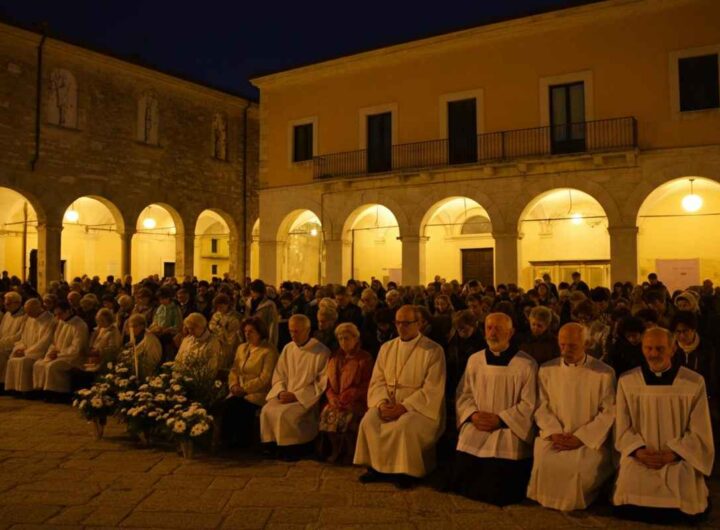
[551, 393]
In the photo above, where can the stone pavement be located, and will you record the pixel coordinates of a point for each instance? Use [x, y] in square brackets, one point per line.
[53, 474]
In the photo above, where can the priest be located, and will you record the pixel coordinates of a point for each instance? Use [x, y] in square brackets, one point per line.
[11, 327]
[496, 400]
[664, 436]
[290, 416]
[576, 412]
[405, 417]
[34, 342]
[69, 348]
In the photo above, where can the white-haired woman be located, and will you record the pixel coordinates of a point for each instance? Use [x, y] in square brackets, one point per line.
[200, 349]
[348, 373]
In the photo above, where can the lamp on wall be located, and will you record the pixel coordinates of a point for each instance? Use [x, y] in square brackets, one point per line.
[72, 215]
[692, 202]
[149, 223]
[314, 231]
[577, 218]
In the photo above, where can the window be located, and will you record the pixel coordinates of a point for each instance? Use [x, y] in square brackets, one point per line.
[699, 82]
[302, 142]
[379, 142]
[567, 117]
[213, 267]
[214, 246]
[462, 131]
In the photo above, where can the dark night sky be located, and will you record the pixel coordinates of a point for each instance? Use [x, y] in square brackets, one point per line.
[225, 43]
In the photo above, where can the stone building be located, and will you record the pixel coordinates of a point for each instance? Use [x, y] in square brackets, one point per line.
[108, 167]
[581, 139]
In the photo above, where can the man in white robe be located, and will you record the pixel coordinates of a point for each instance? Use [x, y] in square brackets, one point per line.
[69, 348]
[290, 416]
[575, 415]
[664, 436]
[405, 417]
[34, 342]
[496, 400]
[11, 327]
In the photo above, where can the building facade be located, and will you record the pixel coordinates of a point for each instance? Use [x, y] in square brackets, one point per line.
[107, 167]
[558, 142]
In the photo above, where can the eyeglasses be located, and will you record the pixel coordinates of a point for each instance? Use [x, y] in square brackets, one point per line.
[404, 322]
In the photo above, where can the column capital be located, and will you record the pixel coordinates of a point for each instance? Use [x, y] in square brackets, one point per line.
[506, 235]
[49, 227]
[413, 239]
[622, 229]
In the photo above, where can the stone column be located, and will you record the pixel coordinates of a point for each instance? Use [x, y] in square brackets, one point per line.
[506, 257]
[623, 254]
[126, 238]
[49, 242]
[335, 258]
[413, 259]
[270, 260]
[184, 255]
[235, 257]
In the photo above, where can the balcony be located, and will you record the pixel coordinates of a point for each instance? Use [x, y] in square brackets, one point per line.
[583, 137]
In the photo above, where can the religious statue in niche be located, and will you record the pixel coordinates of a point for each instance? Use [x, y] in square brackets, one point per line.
[62, 107]
[219, 137]
[148, 119]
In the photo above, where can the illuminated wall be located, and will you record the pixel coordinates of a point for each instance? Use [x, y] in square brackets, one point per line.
[11, 231]
[211, 226]
[374, 249]
[303, 249]
[153, 243]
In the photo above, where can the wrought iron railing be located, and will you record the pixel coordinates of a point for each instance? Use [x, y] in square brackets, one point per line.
[583, 137]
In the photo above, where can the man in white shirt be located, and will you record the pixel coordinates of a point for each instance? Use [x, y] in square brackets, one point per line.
[575, 415]
[664, 436]
[35, 340]
[405, 417]
[11, 327]
[496, 400]
[290, 417]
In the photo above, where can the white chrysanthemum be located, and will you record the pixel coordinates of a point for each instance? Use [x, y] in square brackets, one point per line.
[96, 402]
[179, 427]
[218, 383]
[76, 403]
[199, 429]
[176, 388]
[109, 366]
[152, 414]
[122, 383]
[160, 397]
[169, 422]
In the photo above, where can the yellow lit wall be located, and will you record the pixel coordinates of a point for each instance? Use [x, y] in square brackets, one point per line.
[302, 250]
[11, 213]
[377, 252]
[625, 46]
[151, 248]
[208, 227]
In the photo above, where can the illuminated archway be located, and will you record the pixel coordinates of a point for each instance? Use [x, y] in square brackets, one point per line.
[302, 251]
[562, 231]
[153, 245]
[212, 245]
[90, 242]
[18, 230]
[254, 269]
[373, 249]
[460, 243]
[679, 237]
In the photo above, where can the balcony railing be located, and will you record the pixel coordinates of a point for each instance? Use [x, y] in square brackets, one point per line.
[582, 137]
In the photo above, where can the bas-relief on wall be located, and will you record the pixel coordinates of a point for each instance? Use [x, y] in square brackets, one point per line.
[62, 101]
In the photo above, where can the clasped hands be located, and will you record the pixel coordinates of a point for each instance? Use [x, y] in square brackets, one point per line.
[391, 411]
[485, 421]
[655, 459]
[20, 352]
[286, 397]
[565, 441]
[237, 391]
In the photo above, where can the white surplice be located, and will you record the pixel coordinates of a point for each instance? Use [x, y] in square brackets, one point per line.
[35, 340]
[70, 343]
[411, 373]
[11, 327]
[580, 400]
[300, 370]
[661, 417]
[508, 391]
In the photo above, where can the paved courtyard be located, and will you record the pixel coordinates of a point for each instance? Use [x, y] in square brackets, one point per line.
[53, 474]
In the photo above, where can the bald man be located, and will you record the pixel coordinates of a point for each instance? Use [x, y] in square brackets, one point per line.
[664, 436]
[496, 400]
[576, 411]
[34, 341]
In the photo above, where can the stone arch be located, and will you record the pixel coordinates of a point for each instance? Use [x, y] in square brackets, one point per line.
[371, 251]
[215, 244]
[347, 205]
[301, 248]
[681, 245]
[163, 247]
[444, 245]
[91, 240]
[563, 230]
[436, 198]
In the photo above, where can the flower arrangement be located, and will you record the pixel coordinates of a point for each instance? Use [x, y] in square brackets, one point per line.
[188, 424]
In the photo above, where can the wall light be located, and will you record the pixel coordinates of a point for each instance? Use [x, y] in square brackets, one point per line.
[149, 223]
[692, 203]
[72, 215]
[577, 218]
[314, 231]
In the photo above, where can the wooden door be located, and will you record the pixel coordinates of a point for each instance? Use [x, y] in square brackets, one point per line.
[478, 264]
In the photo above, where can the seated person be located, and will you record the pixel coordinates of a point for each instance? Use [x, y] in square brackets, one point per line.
[575, 415]
[11, 327]
[68, 348]
[225, 325]
[541, 343]
[166, 322]
[200, 351]
[289, 417]
[143, 347]
[249, 382]
[105, 345]
[405, 419]
[664, 436]
[348, 373]
[496, 400]
[34, 342]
